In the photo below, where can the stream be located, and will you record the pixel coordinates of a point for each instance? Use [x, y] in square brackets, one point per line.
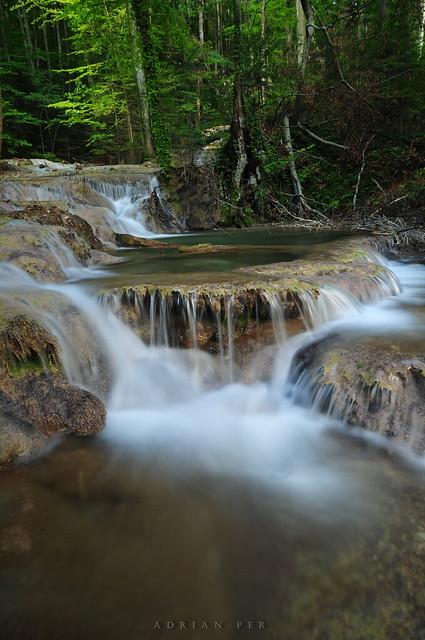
[210, 504]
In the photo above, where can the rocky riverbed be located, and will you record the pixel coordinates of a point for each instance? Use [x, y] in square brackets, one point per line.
[231, 313]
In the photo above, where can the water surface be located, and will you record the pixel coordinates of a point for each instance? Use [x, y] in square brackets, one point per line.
[206, 504]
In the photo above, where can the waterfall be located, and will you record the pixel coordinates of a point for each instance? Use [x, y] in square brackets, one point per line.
[127, 201]
[121, 205]
[277, 315]
[38, 192]
[173, 403]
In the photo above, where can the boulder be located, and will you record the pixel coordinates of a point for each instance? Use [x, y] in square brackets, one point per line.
[160, 217]
[50, 405]
[55, 216]
[37, 238]
[378, 384]
[36, 401]
[193, 195]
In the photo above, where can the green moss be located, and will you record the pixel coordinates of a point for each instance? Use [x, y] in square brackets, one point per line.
[19, 369]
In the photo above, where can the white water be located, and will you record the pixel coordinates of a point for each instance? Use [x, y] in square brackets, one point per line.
[126, 201]
[72, 268]
[162, 402]
[123, 203]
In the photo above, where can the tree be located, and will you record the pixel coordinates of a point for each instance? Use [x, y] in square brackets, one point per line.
[300, 87]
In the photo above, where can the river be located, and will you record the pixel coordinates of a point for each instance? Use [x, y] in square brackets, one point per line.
[210, 505]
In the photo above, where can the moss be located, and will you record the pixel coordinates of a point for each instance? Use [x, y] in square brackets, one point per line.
[34, 366]
[23, 343]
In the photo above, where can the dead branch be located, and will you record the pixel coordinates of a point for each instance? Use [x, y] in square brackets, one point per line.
[359, 177]
[332, 47]
[316, 137]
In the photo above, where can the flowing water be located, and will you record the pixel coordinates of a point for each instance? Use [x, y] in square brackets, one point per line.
[210, 505]
[121, 204]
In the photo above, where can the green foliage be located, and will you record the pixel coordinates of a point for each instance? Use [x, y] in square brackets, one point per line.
[70, 74]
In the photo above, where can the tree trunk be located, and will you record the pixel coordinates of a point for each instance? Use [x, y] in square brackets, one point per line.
[144, 109]
[421, 28]
[238, 134]
[245, 168]
[298, 190]
[23, 21]
[309, 31]
[140, 82]
[59, 41]
[201, 42]
[1, 123]
[263, 51]
[159, 137]
[201, 21]
[46, 47]
[305, 32]
[3, 29]
[218, 27]
[301, 35]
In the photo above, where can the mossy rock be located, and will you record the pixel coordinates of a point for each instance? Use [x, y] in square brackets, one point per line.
[378, 384]
[205, 248]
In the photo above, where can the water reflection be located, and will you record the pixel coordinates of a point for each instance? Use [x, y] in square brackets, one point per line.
[95, 543]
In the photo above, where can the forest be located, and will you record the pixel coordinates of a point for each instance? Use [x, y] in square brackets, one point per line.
[212, 319]
[318, 108]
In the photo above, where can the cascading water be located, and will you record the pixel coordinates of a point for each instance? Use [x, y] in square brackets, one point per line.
[72, 268]
[170, 403]
[120, 206]
[127, 202]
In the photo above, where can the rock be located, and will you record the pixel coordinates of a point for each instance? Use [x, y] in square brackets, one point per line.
[36, 401]
[205, 248]
[101, 220]
[18, 441]
[376, 384]
[33, 238]
[26, 245]
[98, 258]
[7, 166]
[160, 217]
[55, 216]
[81, 192]
[23, 340]
[193, 196]
[125, 240]
[295, 284]
[40, 167]
[49, 405]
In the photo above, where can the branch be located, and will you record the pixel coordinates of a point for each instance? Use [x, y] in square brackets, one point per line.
[334, 53]
[359, 177]
[374, 180]
[316, 137]
[280, 207]
[397, 75]
[337, 62]
[343, 16]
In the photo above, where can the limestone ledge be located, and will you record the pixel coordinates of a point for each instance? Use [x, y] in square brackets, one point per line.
[349, 265]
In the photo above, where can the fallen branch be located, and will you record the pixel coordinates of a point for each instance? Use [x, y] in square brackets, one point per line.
[284, 210]
[316, 137]
[280, 207]
[398, 200]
